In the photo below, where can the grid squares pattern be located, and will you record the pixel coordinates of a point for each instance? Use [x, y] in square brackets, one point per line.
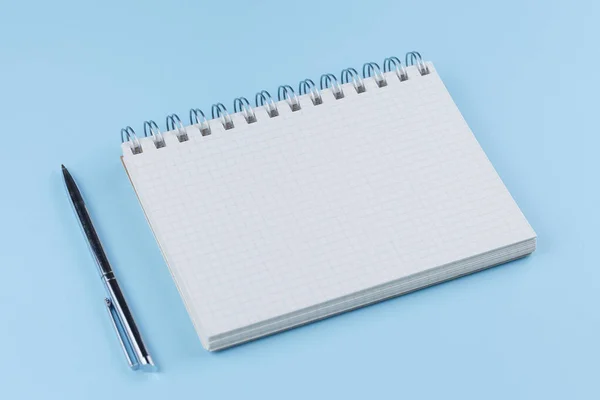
[271, 218]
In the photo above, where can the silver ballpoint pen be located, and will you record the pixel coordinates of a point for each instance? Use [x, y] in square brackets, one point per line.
[121, 317]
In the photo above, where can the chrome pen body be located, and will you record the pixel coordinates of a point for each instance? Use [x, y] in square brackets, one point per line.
[117, 306]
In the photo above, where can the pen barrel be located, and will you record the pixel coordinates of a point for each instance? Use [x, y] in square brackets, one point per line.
[116, 303]
[127, 322]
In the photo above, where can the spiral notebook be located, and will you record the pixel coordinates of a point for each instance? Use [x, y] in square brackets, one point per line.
[327, 199]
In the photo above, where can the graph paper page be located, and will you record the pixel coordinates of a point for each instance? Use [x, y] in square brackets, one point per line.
[269, 218]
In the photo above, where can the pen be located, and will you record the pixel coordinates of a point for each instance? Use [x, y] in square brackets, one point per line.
[121, 317]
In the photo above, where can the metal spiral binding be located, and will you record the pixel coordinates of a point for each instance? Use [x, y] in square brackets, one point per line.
[181, 134]
[220, 111]
[370, 70]
[400, 70]
[373, 68]
[136, 146]
[336, 89]
[307, 86]
[151, 128]
[194, 119]
[415, 57]
[285, 92]
[357, 81]
[241, 104]
[264, 98]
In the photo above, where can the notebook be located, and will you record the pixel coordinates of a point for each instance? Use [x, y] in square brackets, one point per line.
[332, 197]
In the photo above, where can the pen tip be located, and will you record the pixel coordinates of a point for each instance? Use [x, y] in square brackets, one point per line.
[65, 171]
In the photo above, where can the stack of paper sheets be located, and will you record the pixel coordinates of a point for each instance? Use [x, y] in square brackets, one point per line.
[291, 219]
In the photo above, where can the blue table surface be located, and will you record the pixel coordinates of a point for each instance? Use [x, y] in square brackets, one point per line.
[73, 74]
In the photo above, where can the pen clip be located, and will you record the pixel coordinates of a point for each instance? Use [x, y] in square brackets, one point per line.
[115, 323]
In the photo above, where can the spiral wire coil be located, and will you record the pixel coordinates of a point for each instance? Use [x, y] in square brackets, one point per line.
[370, 70]
[308, 86]
[203, 125]
[174, 122]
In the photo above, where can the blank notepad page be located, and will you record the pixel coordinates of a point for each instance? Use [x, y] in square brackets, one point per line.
[268, 219]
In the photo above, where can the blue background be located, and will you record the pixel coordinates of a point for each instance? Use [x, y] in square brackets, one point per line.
[524, 74]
